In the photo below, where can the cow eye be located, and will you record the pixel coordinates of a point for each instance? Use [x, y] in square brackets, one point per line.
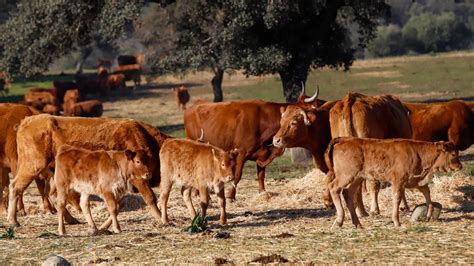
[138, 162]
[223, 164]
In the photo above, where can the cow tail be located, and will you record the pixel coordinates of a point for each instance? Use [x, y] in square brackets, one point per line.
[329, 153]
[347, 117]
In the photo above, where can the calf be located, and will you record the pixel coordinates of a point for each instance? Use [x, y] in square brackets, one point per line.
[195, 165]
[182, 97]
[91, 108]
[105, 173]
[404, 163]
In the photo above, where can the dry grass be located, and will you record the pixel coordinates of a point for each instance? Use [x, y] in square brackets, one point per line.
[288, 222]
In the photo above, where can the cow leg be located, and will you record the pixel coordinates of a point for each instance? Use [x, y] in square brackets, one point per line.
[17, 187]
[148, 196]
[3, 184]
[397, 191]
[72, 198]
[318, 159]
[61, 200]
[221, 200]
[186, 192]
[335, 189]
[261, 178]
[204, 198]
[426, 193]
[405, 207]
[165, 189]
[349, 199]
[113, 211]
[86, 211]
[373, 187]
[47, 206]
[239, 166]
[360, 208]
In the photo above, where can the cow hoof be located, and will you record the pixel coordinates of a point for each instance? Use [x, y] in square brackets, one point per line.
[358, 226]
[336, 223]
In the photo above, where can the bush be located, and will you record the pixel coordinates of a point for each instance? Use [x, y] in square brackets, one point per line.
[435, 33]
[387, 43]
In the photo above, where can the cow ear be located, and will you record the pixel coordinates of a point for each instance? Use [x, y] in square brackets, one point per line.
[440, 146]
[214, 155]
[130, 154]
[311, 117]
[282, 109]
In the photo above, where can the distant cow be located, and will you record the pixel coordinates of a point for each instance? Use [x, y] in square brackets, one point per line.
[61, 87]
[102, 71]
[91, 133]
[100, 85]
[248, 125]
[90, 108]
[131, 72]
[182, 97]
[107, 64]
[103, 173]
[446, 121]
[71, 97]
[380, 117]
[404, 163]
[40, 97]
[195, 165]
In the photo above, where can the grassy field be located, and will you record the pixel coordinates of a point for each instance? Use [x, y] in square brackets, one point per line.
[288, 222]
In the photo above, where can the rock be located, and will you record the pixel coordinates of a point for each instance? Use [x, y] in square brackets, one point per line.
[54, 260]
[300, 155]
[419, 213]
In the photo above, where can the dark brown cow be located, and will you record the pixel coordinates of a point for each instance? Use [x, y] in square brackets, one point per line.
[61, 87]
[11, 115]
[402, 162]
[100, 85]
[131, 72]
[90, 108]
[94, 134]
[195, 165]
[247, 125]
[447, 121]
[182, 97]
[380, 117]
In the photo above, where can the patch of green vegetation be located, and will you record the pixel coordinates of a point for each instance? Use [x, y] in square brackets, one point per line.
[419, 228]
[198, 225]
[9, 234]
[447, 74]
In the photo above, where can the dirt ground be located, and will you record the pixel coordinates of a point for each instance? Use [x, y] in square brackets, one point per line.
[288, 223]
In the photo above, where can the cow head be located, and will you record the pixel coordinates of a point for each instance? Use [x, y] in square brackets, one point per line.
[294, 126]
[138, 163]
[226, 164]
[116, 81]
[305, 100]
[448, 159]
[71, 96]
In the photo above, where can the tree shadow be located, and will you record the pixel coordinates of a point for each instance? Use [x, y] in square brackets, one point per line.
[171, 128]
[437, 100]
[168, 85]
[465, 201]
[466, 157]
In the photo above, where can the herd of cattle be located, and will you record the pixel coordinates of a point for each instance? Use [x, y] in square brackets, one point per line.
[66, 97]
[358, 141]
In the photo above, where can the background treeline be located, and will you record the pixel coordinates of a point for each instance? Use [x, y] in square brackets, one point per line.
[424, 26]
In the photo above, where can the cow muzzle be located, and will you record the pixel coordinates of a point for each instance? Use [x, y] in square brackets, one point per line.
[278, 142]
[456, 167]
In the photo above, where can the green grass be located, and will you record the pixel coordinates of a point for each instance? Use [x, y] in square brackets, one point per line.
[415, 74]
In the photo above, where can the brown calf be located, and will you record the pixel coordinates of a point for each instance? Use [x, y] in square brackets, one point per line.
[104, 173]
[195, 165]
[404, 163]
[182, 97]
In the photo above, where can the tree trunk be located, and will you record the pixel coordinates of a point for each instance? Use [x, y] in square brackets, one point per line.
[217, 85]
[85, 52]
[292, 78]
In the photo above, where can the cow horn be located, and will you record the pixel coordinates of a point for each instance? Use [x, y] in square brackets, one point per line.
[314, 97]
[201, 138]
[302, 93]
[305, 118]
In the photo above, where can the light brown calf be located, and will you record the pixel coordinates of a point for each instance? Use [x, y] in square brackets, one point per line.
[404, 163]
[182, 97]
[195, 165]
[103, 173]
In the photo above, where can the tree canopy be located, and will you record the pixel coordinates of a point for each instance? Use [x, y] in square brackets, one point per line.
[260, 37]
[41, 31]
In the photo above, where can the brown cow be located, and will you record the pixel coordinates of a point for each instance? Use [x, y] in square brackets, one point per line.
[447, 121]
[182, 97]
[102, 71]
[380, 117]
[195, 165]
[131, 72]
[11, 115]
[103, 173]
[100, 85]
[404, 163]
[61, 87]
[50, 109]
[71, 97]
[40, 97]
[90, 108]
[248, 125]
[92, 133]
